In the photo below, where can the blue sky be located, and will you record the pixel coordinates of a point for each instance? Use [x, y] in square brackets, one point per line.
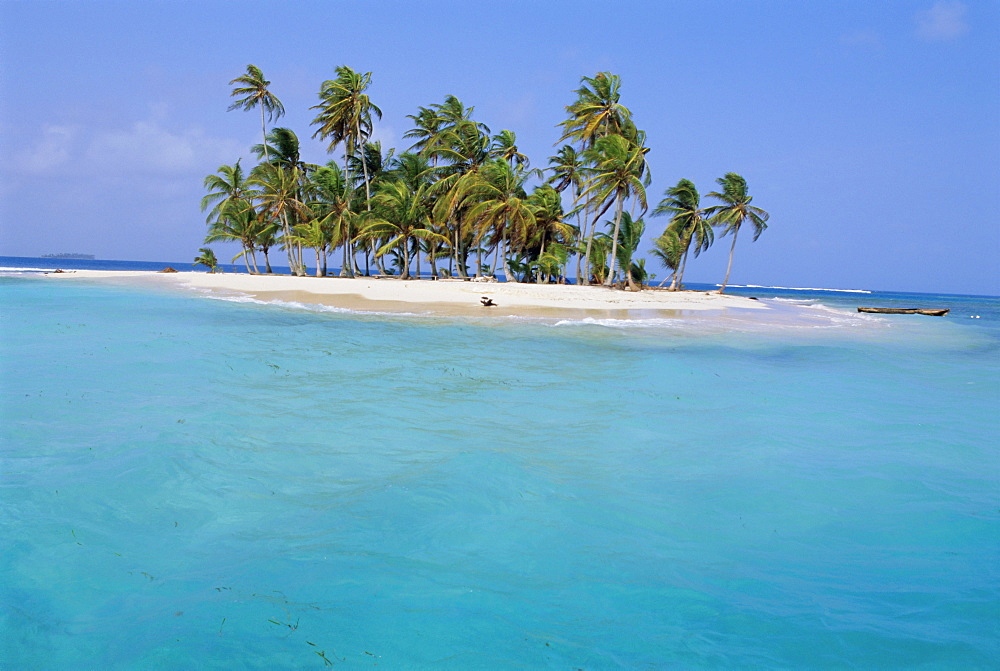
[869, 130]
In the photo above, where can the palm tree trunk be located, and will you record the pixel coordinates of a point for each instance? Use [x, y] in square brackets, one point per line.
[267, 262]
[614, 242]
[580, 234]
[405, 275]
[506, 258]
[679, 272]
[289, 246]
[319, 264]
[263, 132]
[730, 266]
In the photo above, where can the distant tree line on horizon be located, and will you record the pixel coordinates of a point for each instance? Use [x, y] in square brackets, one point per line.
[459, 196]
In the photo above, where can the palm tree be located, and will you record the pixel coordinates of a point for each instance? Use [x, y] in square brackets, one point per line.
[550, 229]
[619, 173]
[238, 223]
[734, 212]
[630, 234]
[427, 125]
[505, 147]
[597, 111]
[282, 148]
[279, 195]
[402, 214]
[331, 196]
[567, 168]
[669, 250]
[688, 222]
[345, 116]
[499, 206]
[253, 87]
[226, 188]
[206, 258]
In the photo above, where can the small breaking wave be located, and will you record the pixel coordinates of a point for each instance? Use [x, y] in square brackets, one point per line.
[309, 307]
[24, 271]
[761, 286]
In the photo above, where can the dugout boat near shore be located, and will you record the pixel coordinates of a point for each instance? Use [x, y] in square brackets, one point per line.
[932, 312]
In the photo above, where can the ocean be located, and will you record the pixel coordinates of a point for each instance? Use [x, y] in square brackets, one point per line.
[189, 482]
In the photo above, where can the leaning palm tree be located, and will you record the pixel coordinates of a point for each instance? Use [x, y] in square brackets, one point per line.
[688, 221]
[619, 173]
[669, 250]
[253, 88]
[207, 258]
[734, 211]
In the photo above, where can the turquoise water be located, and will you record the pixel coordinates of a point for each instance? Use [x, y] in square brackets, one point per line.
[195, 483]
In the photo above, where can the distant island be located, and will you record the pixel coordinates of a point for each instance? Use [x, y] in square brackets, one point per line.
[65, 255]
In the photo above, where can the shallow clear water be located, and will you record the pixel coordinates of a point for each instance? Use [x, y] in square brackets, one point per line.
[194, 483]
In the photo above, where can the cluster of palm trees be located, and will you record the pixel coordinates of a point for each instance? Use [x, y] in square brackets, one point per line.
[459, 196]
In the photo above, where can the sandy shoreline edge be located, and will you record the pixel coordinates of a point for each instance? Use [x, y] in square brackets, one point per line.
[446, 296]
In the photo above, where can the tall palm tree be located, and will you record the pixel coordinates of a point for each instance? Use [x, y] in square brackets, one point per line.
[734, 211]
[568, 169]
[688, 221]
[464, 147]
[253, 88]
[619, 173]
[345, 116]
[597, 111]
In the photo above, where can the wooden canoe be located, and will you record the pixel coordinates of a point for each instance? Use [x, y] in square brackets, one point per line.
[936, 312]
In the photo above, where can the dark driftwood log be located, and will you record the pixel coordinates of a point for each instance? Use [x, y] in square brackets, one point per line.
[935, 312]
[487, 302]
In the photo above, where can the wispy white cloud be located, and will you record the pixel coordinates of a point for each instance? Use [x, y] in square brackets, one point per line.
[51, 150]
[148, 147]
[943, 22]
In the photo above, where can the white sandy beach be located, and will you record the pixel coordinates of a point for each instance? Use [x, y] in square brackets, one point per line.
[449, 296]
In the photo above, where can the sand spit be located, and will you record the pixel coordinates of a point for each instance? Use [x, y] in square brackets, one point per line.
[448, 296]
